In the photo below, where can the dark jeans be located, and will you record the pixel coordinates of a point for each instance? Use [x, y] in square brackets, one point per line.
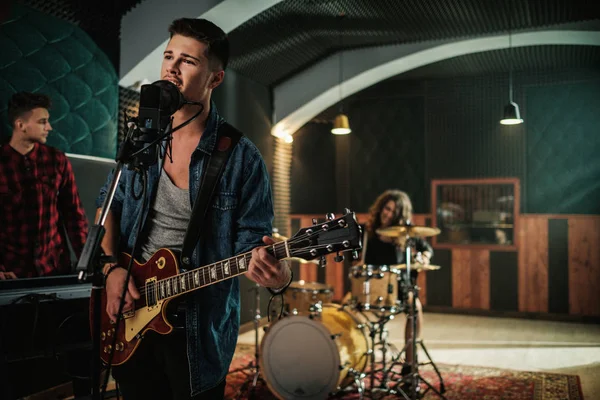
[159, 370]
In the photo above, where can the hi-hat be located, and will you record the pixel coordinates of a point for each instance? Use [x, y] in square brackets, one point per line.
[302, 260]
[415, 267]
[279, 238]
[408, 230]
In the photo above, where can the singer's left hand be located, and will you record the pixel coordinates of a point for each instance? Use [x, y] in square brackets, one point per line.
[266, 270]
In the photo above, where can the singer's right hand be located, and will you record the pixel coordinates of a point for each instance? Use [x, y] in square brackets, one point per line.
[114, 286]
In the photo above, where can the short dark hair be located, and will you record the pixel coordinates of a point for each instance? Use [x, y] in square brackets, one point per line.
[217, 42]
[23, 102]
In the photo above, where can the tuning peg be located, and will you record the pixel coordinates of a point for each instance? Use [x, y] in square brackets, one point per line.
[322, 262]
[354, 255]
[347, 211]
[330, 216]
[339, 257]
[314, 221]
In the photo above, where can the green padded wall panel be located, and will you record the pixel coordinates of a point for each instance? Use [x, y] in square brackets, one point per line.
[41, 53]
[563, 147]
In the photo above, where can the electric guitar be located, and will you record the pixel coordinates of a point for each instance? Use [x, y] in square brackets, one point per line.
[159, 281]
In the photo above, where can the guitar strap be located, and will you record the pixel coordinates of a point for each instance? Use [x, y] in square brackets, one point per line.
[227, 139]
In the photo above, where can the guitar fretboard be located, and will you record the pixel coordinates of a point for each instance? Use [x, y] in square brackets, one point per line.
[207, 275]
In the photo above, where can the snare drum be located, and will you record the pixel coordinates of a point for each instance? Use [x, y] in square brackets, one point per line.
[300, 296]
[375, 286]
[309, 358]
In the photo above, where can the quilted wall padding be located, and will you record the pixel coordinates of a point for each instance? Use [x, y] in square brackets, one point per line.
[563, 148]
[44, 54]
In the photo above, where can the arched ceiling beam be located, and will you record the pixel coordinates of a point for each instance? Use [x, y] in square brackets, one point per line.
[305, 95]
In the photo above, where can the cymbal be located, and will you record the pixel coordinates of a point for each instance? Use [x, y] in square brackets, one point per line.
[302, 260]
[416, 267]
[408, 230]
[279, 238]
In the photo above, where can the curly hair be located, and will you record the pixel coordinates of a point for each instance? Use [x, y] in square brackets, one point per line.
[403, 211]
[23, 102]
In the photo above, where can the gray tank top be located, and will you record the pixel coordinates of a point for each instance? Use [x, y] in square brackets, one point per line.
[169, 216]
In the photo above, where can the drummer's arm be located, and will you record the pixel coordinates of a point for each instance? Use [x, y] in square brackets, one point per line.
[426, 251]
[426, 257]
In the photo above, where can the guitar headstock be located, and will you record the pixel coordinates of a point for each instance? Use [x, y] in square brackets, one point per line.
[335, 235]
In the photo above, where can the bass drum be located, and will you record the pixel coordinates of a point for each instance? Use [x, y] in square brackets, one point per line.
[309, 358]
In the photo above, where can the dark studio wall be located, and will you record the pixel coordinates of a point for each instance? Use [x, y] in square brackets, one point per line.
[408, 132]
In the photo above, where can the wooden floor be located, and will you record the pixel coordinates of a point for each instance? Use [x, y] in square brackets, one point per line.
[520, 344]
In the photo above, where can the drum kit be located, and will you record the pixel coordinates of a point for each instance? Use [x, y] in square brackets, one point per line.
[321, 350]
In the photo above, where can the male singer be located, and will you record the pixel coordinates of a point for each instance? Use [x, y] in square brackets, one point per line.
[192, 362]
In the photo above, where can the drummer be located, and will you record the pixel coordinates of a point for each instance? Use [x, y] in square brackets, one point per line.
[393, 207]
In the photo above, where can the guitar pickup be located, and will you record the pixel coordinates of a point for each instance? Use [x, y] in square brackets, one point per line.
[152, 293]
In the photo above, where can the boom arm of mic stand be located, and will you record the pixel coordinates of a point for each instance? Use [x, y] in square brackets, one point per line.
[90, 265]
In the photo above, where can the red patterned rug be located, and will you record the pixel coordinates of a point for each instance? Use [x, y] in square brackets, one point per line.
[461, 383]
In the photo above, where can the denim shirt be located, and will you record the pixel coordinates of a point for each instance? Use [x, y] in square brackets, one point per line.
[241, 213]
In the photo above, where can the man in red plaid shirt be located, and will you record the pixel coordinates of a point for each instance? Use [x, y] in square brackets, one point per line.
[38, 196]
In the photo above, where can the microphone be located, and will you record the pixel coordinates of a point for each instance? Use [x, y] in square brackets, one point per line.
[158, 101]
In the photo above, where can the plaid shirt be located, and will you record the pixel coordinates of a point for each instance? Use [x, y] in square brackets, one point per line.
[37, 190]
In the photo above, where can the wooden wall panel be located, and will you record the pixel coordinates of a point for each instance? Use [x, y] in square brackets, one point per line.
[461, 278]
[533, 263]
[422, 283]
[470, 267]
[480, 279]
[471, 278]
[584, 266]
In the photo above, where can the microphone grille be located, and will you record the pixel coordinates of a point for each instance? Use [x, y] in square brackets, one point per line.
[171, 99]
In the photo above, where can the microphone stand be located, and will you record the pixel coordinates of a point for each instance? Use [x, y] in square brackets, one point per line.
[91, 261]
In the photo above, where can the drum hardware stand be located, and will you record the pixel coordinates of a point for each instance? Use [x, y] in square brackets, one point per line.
[377, 328]
[414, 375]
[359, 382]
[252, 378]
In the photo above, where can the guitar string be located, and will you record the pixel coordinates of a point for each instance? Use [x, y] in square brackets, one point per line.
[281, 244]
[151, 289]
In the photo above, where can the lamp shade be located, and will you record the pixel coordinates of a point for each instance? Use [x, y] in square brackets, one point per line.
[512, 116]
[341, 126]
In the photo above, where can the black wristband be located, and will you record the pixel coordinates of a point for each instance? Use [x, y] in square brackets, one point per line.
[283, 289]
[110, 269]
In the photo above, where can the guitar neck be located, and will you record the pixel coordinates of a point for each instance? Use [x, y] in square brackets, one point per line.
[207, 275]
